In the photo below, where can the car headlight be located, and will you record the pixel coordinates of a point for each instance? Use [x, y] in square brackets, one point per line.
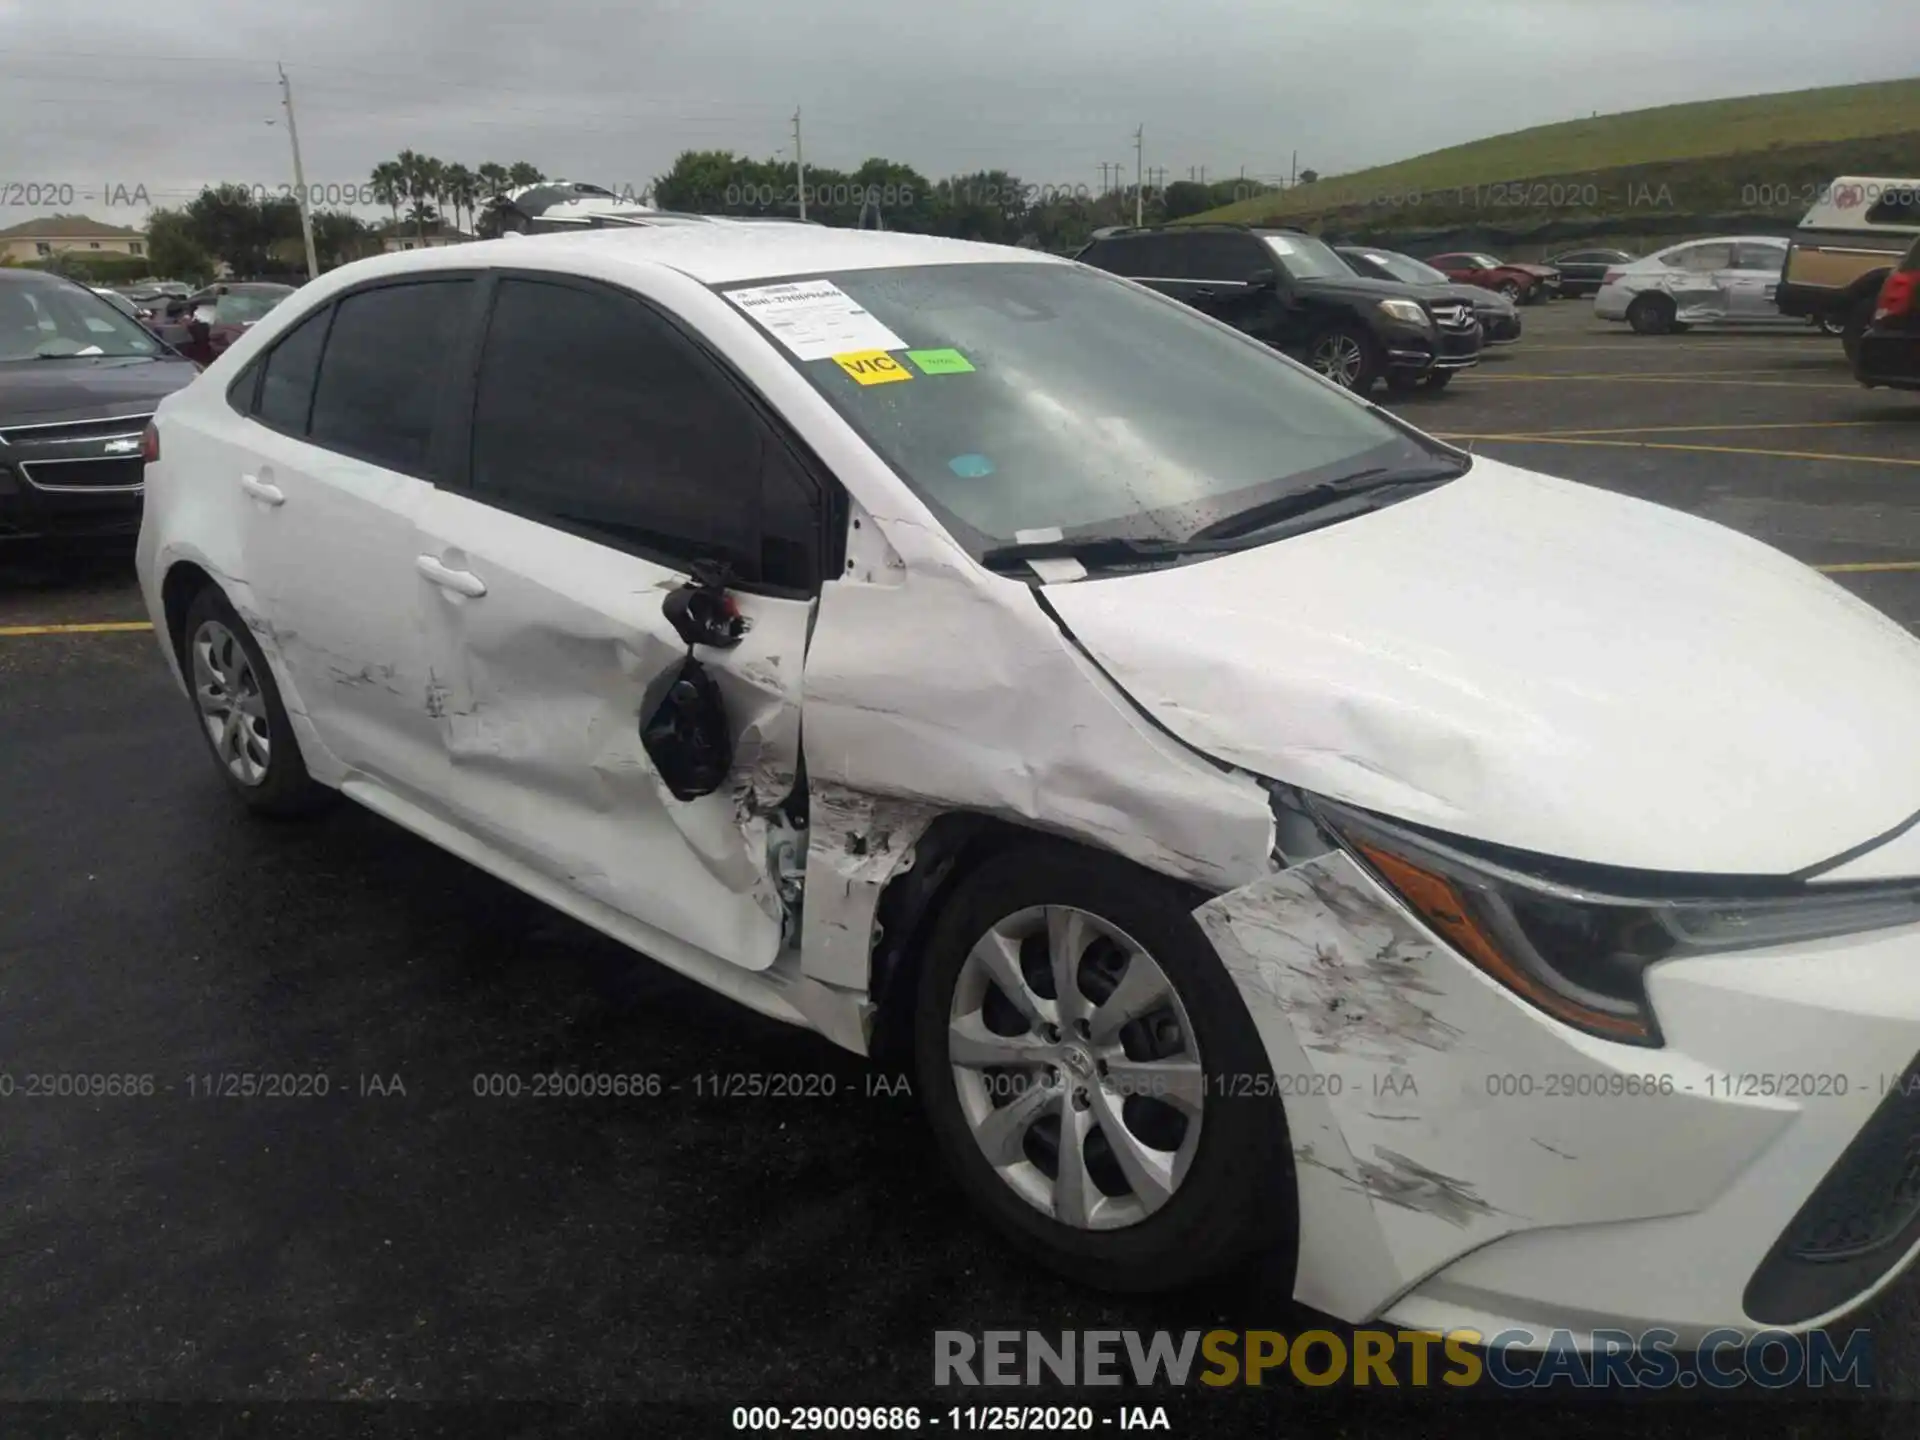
[1578, 945]
[1406, 310]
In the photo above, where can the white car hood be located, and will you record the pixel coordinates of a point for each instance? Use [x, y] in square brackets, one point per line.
[1538, 664]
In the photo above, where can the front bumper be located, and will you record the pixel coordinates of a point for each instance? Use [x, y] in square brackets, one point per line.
[105, 516]
[1465, 1161]
[1440, 348]
[1498, 329]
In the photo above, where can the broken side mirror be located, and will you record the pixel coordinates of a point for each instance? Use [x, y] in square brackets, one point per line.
[684, 729]
[702, 612]
[683, 720]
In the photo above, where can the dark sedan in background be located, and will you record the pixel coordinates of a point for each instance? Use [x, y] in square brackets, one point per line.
[202, 325]
[1498, 316]
[78, 383]
[1889, 350]
[1583, 272]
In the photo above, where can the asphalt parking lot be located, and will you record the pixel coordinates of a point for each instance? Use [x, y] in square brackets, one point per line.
[403, 1237]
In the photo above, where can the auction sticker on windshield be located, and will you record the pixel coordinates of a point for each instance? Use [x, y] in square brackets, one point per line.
[815, 319]
[941, 362]
[873, 367]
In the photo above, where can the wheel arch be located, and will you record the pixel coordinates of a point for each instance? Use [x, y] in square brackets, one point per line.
[184, 580]
[951, 848]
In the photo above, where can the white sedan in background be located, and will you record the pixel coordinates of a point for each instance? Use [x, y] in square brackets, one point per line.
[1270, 832]
[1727, 281]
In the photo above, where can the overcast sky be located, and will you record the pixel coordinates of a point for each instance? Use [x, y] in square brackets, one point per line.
[128, 93]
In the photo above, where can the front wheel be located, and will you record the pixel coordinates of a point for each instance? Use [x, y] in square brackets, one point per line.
[1439, 379]
[1348, 356]
[1076, 1040]
[1651, 314]
[1832, 325]
[1511, 289]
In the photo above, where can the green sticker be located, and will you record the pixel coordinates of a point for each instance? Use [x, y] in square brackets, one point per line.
[941, 362]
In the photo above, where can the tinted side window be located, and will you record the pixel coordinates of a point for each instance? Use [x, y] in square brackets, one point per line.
[286, 391]
[380, 378]
[1224, 257]
[595, 412]
[1759, 257]
[1897, 205]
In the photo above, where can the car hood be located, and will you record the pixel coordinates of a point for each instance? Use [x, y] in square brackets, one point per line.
[1544, 272]
[1538, 664]
[1364, 288]
[1486, 301]
[83, 388]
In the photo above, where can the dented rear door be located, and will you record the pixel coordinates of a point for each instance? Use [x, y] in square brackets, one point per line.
[609, 454]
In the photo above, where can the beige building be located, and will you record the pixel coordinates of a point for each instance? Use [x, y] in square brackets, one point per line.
[406, 236]
[52, 235]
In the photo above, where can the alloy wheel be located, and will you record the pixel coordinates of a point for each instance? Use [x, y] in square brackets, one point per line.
[232, 706]
[1076, 1067]
[1339, 358]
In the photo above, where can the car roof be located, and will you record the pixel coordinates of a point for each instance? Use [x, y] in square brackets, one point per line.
[723, 254]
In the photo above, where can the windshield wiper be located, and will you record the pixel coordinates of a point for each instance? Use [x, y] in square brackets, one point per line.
[1099, 551]
[1326, 492]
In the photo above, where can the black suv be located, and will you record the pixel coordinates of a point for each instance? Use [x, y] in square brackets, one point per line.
[1292, 291]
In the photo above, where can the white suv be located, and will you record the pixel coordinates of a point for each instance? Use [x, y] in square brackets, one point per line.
[1269, 830]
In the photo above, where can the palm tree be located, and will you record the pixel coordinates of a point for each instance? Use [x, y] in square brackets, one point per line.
[521, 173]
[463, 190]
[494, 179]
[389, 186]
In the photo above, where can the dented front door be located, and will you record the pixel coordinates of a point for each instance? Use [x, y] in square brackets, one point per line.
[544, 650]
[609, 457]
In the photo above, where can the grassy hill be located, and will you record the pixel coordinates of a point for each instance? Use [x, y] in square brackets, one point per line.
[1758, 155]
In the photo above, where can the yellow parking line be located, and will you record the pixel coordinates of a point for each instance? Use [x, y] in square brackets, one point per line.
[103, 627]
[1512, 439]
[1670, 429]
[1479, 377]
[1865, 567]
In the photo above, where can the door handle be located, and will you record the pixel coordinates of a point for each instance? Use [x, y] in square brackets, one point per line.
[260, 490]
[1203, 293]
[461, 582]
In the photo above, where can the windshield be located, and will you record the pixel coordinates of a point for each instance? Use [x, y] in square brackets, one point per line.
[1043, 398]
[1406, 269]
[50, 320]
[1305, 256]
[243, 307]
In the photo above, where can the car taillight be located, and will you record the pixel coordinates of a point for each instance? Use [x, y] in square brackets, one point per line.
[149, 444]
[1609, 277]
[1897, 295]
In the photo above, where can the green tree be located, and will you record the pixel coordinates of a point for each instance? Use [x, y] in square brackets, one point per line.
[494, 180]
[340, 238]
[1308, 177]
[173, 251]
[521, 173]
[228, 223]
[462, 190]
[389, 186]
[1185, 197]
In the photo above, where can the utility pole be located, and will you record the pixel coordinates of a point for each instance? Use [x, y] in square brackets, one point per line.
[1138, 132]
[1293, 178]
[1203, 174]
[299, 176]
[1103, 177]
[799, 164]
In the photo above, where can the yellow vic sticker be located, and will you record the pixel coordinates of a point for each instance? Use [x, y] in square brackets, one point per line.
[872, 367]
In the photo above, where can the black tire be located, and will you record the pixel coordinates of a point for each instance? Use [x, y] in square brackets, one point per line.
[1237, 1200]
[1438, 379]
[1513, 290]
[1371, 361]
[1652, 314]
[284, 788]
[1858, 319]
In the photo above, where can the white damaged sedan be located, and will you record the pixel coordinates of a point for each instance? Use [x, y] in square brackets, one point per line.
[1269, 831]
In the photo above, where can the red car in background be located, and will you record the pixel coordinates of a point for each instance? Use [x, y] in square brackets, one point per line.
[1522, 284]
[202, 325]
